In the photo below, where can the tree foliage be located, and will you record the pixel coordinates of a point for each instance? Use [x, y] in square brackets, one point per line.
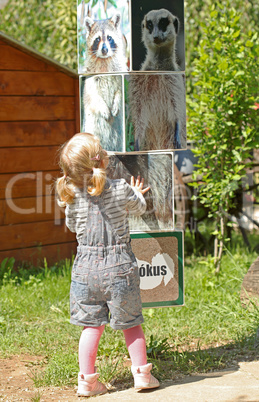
[46, 25]
[197, 13]
[223, 111]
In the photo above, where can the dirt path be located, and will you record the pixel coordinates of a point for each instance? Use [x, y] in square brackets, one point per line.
[16, 384]
[237, 383]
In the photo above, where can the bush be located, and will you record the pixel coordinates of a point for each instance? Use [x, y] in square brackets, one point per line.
[222, 112]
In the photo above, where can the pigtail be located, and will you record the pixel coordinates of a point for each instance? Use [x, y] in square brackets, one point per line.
[97, 182]
[65, 191]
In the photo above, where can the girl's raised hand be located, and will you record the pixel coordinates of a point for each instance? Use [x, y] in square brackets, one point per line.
[139, 185]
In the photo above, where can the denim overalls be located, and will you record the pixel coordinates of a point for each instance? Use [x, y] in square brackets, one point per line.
[105, 278]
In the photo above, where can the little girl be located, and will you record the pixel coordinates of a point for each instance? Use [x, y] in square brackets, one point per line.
[105, 279]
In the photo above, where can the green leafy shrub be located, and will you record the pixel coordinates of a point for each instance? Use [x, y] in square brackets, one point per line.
[197, 11]
[223, 112]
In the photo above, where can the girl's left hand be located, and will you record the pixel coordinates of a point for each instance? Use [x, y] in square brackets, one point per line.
[139, 185]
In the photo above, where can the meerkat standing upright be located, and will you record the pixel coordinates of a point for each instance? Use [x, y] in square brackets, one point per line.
[159, 34]
[157, 110]
[157, 101]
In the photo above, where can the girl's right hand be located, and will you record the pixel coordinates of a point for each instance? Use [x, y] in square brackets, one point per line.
[139, 185]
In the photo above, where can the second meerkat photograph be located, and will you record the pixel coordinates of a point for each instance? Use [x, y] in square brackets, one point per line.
[157, 35]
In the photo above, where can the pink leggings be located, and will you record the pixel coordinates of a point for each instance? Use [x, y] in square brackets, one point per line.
[89, 341]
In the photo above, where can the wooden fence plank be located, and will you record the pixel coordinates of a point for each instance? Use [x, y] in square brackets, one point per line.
[29, 209]
[30, 159]
[27, 184]
[35, 255]
[33, 234]
[35, 83]
[21, 108]
[14, 59]
[42, 133]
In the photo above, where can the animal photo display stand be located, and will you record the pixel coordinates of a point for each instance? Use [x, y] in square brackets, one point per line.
[131, 61]
[135, 99]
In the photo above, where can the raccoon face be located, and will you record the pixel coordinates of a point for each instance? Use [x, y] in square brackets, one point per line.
[103, 36]
[103, 45]
[159, 27]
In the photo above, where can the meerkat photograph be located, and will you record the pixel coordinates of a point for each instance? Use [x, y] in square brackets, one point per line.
[158, 35]
[155, 112]
[157, 172]
[101, 109]
[103, 37]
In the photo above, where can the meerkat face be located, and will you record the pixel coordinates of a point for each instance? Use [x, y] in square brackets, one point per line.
[103, 36]
[159, 28]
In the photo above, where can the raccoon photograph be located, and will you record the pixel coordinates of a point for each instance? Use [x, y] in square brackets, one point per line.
[157, 112]
[102, 43]
[101, 107]
[157, 171]
[158, 36]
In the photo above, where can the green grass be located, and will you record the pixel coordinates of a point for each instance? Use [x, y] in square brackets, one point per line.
[208, 333]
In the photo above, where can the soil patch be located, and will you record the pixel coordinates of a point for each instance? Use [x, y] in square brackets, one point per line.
[16, 383]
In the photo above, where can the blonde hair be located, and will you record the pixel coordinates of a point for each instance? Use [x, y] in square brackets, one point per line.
[81, 160]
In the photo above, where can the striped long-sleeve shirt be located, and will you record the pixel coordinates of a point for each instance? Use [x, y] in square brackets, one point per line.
[119, 197]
